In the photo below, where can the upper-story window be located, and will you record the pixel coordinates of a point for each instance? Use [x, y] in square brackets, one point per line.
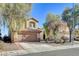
[32, 25]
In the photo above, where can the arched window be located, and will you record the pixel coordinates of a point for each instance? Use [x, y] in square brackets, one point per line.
[32, 25]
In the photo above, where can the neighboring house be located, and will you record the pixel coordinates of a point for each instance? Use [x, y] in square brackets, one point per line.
[28, 31]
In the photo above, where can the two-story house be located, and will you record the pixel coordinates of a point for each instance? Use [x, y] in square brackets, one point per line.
[28, 31]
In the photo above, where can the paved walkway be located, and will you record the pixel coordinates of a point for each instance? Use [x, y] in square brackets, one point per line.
[33, 47]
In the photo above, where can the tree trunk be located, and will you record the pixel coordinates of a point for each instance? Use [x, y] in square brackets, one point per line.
[10, 36]
[70, 35]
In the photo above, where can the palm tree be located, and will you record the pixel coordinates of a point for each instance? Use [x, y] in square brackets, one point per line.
[71, 15]
[76, 13]
[67, 17]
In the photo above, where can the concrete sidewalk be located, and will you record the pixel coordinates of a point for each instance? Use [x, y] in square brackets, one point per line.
[38, 47]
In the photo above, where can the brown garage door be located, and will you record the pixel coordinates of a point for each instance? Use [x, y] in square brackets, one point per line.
[29, 37]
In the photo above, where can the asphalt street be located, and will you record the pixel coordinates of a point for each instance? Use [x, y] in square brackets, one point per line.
[64, 52]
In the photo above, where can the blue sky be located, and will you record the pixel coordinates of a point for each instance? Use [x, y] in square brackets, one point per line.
[40, 10]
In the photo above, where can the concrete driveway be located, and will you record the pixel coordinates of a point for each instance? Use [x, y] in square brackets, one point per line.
[36, 47]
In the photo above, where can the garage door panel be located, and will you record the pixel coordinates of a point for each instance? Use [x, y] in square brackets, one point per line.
[29, 37]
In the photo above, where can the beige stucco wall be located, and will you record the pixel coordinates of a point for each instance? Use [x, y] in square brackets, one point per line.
[15, 36]
[41, 35]
[23, 25]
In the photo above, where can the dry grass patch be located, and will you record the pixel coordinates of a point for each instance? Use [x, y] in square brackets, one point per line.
[8, 46]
